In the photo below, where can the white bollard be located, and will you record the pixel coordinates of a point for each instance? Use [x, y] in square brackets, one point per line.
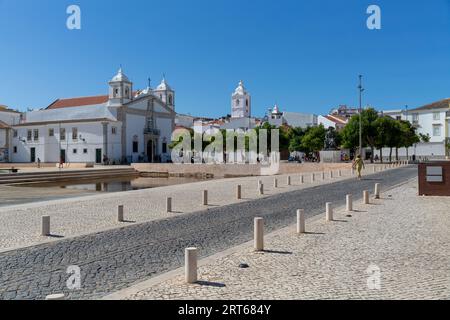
[205, 197]
[301, 221]
[275, 182]
[323, 175]
[238, 192]
[190, 265]
[340, 173]
[349, 202]
[45, 226]
[169, 205]
[302, 179]
[261, 189]
[288, 180]
[120, 213]
[366, 197]
[58, 296]
[377, 191]
[331, 174]
[312, 177]
[259, 234]
[329, 212]
[259, 184]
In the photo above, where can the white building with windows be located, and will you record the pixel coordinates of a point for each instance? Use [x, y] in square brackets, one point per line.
[122, 127]
[433, 120]
[8, 118]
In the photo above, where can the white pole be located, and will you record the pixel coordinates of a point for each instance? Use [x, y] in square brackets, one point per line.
[300, 221]
[259, 234]
[329, 212]
[190, 265]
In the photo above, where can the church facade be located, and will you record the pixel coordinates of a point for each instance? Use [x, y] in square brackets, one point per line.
[123, 126]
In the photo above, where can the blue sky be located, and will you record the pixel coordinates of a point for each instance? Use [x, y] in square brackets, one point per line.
[303, 55]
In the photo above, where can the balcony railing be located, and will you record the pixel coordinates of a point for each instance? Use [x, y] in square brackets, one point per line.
[152, 131]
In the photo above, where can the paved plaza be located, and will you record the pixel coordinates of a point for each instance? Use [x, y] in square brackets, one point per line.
[20, 224]
[402, 238]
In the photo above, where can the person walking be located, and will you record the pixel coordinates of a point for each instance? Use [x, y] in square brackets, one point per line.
[358, 164]
[39, 162]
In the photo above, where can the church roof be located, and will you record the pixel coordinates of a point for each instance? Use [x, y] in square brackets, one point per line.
[163, 86]
[240, 90]
[120, 77]
[3, 125]
[78, 102]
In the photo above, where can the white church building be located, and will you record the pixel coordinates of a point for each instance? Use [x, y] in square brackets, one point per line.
[123, 126]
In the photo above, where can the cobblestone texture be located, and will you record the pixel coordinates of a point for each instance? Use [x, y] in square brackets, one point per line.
[118, 258]
[20, 225]
[406, 236]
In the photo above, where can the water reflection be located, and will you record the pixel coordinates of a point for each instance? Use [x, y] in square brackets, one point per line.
[118, 185]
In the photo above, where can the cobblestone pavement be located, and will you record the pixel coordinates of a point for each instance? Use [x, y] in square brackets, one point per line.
[402, 237]
[118, 258]
[20, 225]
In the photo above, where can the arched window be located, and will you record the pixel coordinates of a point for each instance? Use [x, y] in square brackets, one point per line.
[246, 103]
[170, 99]
[237, 103]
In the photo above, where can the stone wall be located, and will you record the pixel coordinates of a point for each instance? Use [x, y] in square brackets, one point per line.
[232, 170]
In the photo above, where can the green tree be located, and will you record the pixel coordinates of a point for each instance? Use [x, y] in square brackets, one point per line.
[384, 126]
[350, 133]
[313, 140]
[409, 135]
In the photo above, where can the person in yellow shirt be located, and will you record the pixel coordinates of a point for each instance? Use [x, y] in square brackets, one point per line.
[358, 164]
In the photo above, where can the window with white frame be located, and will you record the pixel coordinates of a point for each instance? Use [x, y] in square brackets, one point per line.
[436, 116]
[29, 135]
[15, 133]
[62, 134]
[113, 130]
[36, 134]
[436, 130]
[415, 117]
[51, 132]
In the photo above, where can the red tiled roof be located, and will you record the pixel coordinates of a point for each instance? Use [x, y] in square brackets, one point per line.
[3, 125]
[441, 104]
[335, 119]
[78, 102]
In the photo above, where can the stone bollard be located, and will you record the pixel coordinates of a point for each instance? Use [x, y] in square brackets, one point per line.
[366, 197]
[205, 197]
[120, 213]
[58, 296]
[275, 182]
[329, 212]
[259, 184]
[312, 177]
[239, 192]
[377, 191]
[190, 265]
[349, 202]
[288, 180]
[259, 234]
[340, 173]
[261, 189]
[323, 175]
[331, 174]
[301, 221]
[45, 226]
[169, 204]
[302, 179]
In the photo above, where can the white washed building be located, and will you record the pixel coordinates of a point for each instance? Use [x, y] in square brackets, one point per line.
[123, 126]
[432, 119]
[8, 118]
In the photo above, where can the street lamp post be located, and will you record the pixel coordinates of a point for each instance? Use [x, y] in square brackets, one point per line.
[361, 89]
